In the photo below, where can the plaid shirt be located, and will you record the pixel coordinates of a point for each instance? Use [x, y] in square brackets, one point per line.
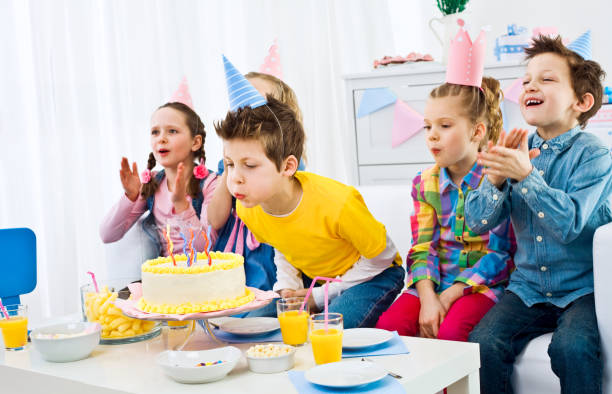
[444, 250]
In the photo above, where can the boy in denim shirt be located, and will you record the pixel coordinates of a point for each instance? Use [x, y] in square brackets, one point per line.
[556, 202]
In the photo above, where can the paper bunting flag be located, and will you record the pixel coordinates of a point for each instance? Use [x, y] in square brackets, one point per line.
[406, 123]
[271, 64]
[514, 90]
[182, 95]
[375, 99]
[582, 45]
[241, 92]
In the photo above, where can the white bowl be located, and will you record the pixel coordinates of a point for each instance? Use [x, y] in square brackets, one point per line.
[272, 364]
[182, 366]
[67, 341]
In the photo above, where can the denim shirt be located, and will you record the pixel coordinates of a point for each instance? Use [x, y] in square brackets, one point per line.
[555, 211]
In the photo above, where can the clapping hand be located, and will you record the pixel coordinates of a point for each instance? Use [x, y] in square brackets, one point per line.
[179, 192]
[130, 179]
[509, 158]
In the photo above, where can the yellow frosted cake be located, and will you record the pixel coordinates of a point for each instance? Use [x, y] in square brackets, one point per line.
[181, 289]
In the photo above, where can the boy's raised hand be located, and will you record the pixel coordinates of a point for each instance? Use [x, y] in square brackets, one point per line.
[179, 195]
[130, 179]
[509, 162]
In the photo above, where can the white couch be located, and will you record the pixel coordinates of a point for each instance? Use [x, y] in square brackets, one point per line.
[392, 205]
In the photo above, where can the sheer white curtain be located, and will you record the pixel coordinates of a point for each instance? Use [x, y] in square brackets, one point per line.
[80, 79]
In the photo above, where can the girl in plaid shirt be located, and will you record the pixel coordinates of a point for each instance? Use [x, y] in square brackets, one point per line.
[454, 275]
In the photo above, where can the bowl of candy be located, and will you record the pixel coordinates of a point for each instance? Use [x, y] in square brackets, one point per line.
[97, 301]
[66, 342]
[270, 358]
[200, 366]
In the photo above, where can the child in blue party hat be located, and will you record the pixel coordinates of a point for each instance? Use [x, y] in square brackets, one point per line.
[234, 236]
[317, 226]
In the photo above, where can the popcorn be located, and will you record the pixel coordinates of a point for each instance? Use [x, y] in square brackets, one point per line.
[99, 308]
[269, 350]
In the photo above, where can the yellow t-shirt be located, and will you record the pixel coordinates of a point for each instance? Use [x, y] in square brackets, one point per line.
[326, 234]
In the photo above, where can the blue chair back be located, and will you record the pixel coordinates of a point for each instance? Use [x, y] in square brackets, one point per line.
[17, 263]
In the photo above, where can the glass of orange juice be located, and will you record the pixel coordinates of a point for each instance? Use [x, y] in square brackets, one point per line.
[293, 322]
[326, 337]
[15, 328]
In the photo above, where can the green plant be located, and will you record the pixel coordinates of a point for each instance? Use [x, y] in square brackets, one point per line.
[451, 6]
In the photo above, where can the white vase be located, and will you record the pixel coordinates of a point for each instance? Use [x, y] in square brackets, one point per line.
[448, 31]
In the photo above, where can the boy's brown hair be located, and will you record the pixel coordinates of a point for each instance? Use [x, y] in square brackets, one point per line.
[275, 125]
[586, 75]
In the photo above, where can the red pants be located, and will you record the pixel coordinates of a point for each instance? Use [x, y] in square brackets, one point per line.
[463, 315]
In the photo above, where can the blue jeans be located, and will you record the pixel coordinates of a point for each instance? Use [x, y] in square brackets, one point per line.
[362, 304]
[574, 350]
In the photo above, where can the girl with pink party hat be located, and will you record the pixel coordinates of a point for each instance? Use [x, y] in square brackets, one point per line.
[454, 275]
[178, 194]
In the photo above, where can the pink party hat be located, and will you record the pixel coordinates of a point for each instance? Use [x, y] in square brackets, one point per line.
[271, 64]
[466, 59]
[182, 95]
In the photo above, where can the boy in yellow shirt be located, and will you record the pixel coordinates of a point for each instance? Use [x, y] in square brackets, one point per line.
[317, 226]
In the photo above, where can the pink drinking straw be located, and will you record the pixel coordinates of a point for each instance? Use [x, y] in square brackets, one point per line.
[325, 291]
[4, 312]
[93, 278]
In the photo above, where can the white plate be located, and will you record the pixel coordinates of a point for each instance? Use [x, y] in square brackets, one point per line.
[344, 374]
[249, 325]
[357, 338]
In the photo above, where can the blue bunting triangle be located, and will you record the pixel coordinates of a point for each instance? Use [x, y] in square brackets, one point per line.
[375, 99]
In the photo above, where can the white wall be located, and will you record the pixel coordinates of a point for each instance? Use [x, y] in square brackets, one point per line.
[571, 17]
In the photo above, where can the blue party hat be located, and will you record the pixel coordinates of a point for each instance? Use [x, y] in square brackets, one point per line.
[241, 92]
[582, 45]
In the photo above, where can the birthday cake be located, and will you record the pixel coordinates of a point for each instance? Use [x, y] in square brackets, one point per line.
[175, 286]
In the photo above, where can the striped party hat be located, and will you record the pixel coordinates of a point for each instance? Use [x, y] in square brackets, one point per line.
[241, 92]
[582, 45]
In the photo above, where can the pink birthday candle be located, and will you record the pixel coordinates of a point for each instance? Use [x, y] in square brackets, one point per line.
[170, 246]
[206, 248]
[93, 279]
[191, 255]
[4, 312]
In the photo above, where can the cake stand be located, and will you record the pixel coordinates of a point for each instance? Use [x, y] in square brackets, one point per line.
[262, 298]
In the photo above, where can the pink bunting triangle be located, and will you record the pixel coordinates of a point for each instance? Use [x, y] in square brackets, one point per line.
[182, 95]
[271, 64]
[406, 123]
[514, 90]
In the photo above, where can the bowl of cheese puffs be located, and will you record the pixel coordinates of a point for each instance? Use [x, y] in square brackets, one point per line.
[116, 328]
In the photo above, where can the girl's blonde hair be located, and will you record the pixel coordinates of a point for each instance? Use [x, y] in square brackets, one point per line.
[480, 105]
[283, 93]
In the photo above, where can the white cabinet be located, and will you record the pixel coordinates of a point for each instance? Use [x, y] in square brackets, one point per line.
[372, 160]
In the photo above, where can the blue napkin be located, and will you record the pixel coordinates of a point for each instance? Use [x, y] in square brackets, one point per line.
[387, 385]
[274, 336]
[393, 346]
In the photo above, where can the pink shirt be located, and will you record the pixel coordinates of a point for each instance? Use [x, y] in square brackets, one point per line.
[125, 213]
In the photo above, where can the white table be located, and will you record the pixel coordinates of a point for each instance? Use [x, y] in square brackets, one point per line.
[430, 366]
